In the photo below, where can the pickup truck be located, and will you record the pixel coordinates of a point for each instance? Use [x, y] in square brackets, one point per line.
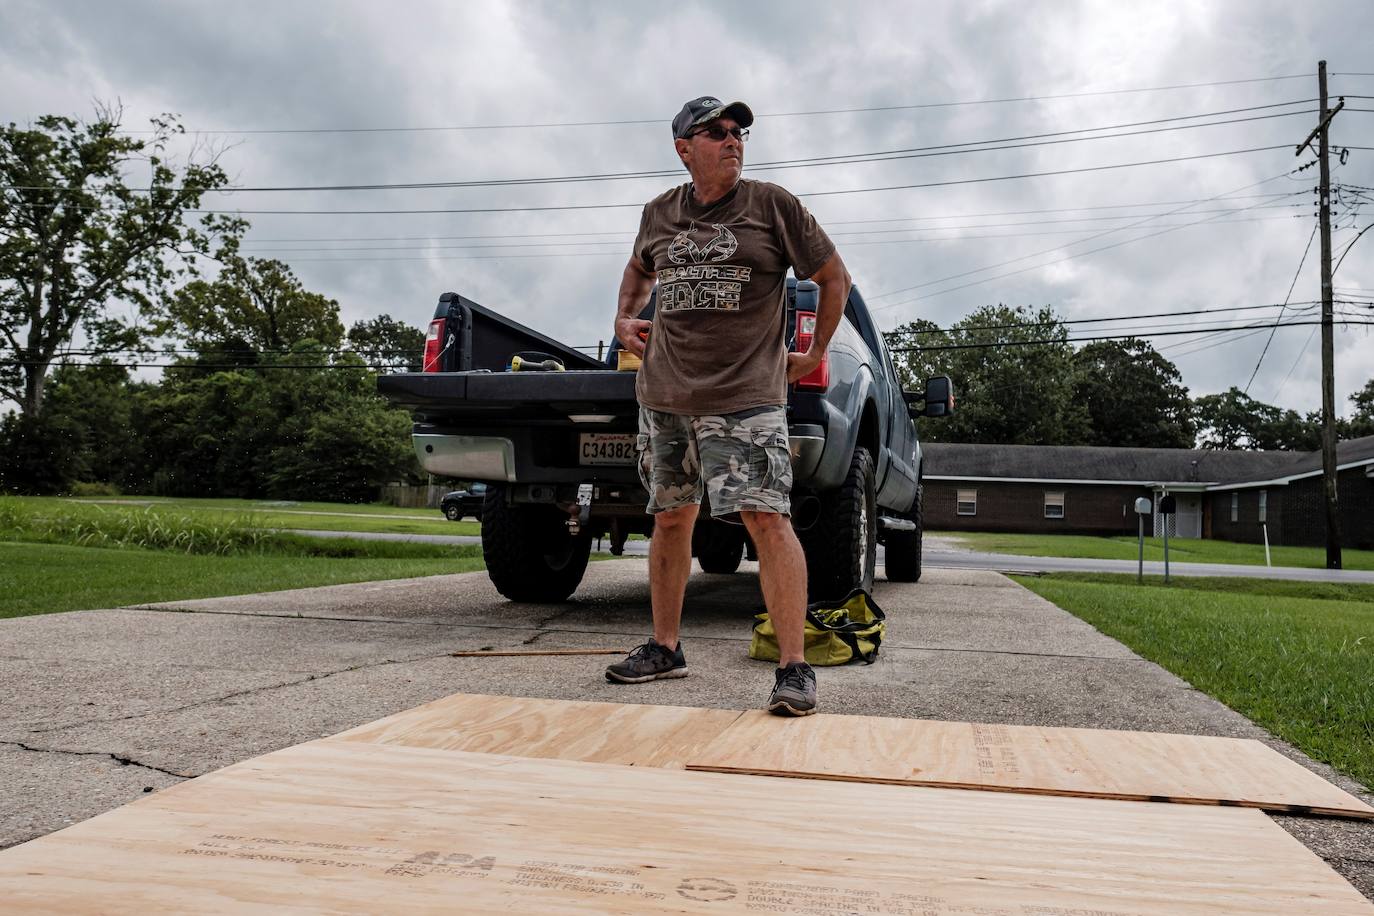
[558, 449]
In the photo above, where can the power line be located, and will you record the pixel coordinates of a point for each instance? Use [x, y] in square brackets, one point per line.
[950, 149]
[1219, 343]
[1301, 353]
[623, 234]
[1036, 254]
[1069, 340]
[1291, 286]
[640, 204]
[977, 346]
[779, 114]
[621, 245]
[920, 152]
[1023, 324]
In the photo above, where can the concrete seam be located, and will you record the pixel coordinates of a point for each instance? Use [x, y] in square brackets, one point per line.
[122, 761]
[542, 625]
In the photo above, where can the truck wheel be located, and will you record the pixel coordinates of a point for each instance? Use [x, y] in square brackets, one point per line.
[842, 547]
[529, 553]
[718, 546]
[903, 548]
[453, 513]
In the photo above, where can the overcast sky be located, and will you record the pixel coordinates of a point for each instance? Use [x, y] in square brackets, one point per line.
[457, 75]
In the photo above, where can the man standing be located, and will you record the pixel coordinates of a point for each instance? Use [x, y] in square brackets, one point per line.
[713, 386]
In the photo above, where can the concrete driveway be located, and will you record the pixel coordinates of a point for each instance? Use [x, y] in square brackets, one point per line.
[107, 705]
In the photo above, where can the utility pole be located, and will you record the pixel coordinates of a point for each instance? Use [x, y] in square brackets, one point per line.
[1333, 516]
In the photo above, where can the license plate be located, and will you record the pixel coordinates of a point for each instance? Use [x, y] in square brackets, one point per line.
[606, 448]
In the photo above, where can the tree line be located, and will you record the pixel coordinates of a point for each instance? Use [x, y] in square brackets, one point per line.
[107, 260]
[1022, 381]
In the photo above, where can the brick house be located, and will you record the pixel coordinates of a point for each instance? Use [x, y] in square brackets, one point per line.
[1229, 495]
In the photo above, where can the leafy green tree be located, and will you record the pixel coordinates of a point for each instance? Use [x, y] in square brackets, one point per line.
[40, 454]
[305, 424]
[1012, 370]
[255, 303]
[1134, 396]
[1361, 423]
[387, 344]
[76, 238]
[100, 401]
[1234, 420]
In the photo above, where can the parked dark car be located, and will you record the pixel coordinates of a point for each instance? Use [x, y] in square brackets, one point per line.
[460, 503]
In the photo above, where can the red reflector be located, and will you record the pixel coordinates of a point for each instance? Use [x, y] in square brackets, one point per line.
[434, 345]
[819, 378]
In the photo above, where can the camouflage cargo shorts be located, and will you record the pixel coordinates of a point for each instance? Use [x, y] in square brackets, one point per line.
[740, 460]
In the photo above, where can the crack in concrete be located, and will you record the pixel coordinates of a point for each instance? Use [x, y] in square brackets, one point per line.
[531, 641]
[549, 621]
[238, 693]
[122, 761]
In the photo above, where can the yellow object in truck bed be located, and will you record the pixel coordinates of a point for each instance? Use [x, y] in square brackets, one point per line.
[625, 361]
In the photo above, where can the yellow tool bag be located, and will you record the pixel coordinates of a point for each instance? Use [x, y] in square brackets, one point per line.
[837, 633]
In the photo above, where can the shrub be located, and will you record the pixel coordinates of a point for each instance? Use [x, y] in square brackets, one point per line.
[94, 488]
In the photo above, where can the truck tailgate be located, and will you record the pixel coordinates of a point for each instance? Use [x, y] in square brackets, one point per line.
[452, 395]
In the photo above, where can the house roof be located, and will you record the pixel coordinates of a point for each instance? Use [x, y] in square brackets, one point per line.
[1129, 465]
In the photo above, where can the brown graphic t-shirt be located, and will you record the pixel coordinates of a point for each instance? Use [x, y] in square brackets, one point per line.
[717, 343]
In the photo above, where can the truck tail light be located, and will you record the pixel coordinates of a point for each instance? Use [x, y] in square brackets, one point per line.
[434, 343]
[819, 378]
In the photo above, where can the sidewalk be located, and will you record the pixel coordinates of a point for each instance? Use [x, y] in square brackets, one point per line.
[107, 704]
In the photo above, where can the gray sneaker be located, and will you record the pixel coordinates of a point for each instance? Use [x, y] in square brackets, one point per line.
[649, 662]
[794, 692]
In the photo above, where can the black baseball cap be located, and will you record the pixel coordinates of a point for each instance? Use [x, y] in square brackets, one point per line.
[708, 108]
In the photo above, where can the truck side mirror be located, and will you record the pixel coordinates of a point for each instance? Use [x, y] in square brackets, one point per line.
[936, 401]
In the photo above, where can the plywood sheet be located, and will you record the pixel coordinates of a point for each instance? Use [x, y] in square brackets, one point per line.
[1056, 761]
[658, 736]
[347, 826]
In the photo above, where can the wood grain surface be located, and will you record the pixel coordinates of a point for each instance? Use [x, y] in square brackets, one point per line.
[657, 736]
[1095, 763]
[352, 827]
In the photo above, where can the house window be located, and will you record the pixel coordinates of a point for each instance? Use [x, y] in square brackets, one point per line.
[1235, 505]
[966, 502]
[1054, 505]
[1263, 505]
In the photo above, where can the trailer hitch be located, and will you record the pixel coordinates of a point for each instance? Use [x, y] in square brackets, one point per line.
[583, 512]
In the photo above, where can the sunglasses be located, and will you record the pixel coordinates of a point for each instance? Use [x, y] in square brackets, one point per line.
[718, 133]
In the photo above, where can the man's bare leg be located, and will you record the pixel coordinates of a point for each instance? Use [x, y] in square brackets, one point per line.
[782, 576]
[670, 562]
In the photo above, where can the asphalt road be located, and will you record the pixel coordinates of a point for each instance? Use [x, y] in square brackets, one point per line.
[104, 706]
[944, 553]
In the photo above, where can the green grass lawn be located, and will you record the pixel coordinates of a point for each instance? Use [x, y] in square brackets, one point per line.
[1295, 657]
[1124, 548]
[45, 578]
[278, 514]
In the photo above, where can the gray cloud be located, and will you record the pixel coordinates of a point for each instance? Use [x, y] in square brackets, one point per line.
[348, 64]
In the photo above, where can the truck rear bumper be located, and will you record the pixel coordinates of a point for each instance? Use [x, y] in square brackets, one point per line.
[498, 459]
[469, 457]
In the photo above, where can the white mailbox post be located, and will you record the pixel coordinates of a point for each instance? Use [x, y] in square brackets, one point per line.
[1143, 506]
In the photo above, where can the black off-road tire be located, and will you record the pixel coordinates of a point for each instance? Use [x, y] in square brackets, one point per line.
[719, 547]
[529, 553]
[902, 549]
[842, 547]
[453, 513]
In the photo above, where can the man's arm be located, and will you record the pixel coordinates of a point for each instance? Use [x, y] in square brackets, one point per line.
[833, 280]
[635, 287]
